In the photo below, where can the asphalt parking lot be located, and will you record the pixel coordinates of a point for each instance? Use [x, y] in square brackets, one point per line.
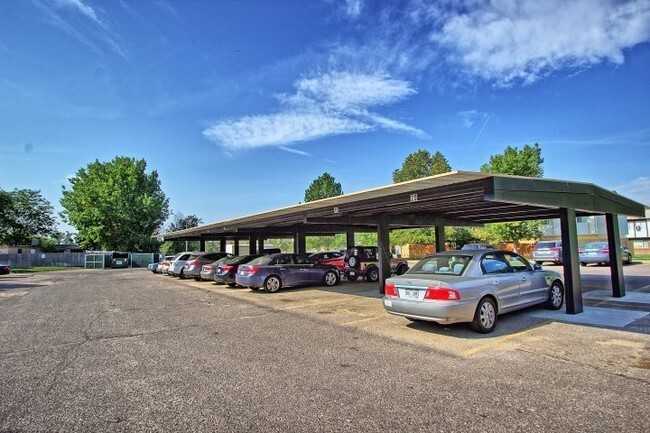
[127, 350]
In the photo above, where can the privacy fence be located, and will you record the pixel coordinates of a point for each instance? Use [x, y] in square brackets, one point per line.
[90, 260]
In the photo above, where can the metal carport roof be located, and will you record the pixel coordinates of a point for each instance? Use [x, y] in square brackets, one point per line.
[456, 198]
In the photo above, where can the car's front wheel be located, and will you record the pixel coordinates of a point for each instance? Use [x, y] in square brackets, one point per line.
[272, 284]
[330, 278]
[485, 317]
[555, 296]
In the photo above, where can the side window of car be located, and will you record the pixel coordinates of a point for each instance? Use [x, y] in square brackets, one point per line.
[517, 263]
[493, 264]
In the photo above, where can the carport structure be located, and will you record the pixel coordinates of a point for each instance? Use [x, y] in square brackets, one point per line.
[456, 198]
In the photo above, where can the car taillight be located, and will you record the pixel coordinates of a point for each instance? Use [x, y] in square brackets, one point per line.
[605, 251]
[581, 251]
[390, 289]
[226, 268]
[193, 263]
[555, 249]
[441, 294]
[250, 270]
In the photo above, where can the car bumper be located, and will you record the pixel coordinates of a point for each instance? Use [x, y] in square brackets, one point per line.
[192, 272]
[249, 281]
[443, 312]
[597, 258]
[224, 279]
[547, 258]
[206, 275]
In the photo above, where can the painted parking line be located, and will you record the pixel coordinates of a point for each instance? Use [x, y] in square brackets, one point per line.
[491, 344]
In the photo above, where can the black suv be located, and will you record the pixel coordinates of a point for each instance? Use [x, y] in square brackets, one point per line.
[363, 262]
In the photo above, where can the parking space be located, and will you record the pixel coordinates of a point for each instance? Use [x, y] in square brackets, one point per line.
[594, 337]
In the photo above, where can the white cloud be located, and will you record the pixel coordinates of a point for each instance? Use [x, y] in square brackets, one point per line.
[292, 150]
[325, 105]
[637, 189]
[508, 41]
[85, 10]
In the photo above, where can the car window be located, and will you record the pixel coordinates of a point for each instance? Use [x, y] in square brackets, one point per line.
[441, 264]
[302, 260]
[516, 262]
[494, 264]
[282, 259]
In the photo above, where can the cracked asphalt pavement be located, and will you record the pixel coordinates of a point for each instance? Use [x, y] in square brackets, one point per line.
[130, 351]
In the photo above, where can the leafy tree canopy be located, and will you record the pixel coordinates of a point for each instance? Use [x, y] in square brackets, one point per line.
[323, 186]
[421, 164]
[182, 222]
[25, 214]
[525, 162]
[115, 205]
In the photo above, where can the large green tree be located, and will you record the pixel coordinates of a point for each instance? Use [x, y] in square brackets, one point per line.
[417, 165]
[24, 215]
[421, 164]
[323, 186]
[525, 162]
[115, 205]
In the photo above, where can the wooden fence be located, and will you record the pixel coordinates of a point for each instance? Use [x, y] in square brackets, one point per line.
[43, 259]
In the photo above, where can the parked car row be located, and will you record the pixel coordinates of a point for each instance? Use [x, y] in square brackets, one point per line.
[591, 252]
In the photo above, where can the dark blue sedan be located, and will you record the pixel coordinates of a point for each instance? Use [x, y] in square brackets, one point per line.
[275, 271]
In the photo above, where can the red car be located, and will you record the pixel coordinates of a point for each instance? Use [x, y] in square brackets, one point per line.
[5, 269]
[332, 258]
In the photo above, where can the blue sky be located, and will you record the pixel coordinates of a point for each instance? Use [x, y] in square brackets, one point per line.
[239, 105]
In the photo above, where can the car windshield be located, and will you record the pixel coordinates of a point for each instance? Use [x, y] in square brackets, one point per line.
[442, 264]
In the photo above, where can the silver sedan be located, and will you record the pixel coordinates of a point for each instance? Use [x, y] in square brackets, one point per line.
[471, 286]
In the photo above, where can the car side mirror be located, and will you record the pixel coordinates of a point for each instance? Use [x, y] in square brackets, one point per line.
[537, 267]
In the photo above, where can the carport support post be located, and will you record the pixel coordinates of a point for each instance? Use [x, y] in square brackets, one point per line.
[349, 238]
[202, 245]
[236, 247]
[222, 244]
[615, 259]
[300, 242]
[252, 244]
[441, 243]
[260, 244]
[383, 251]
[571, 261]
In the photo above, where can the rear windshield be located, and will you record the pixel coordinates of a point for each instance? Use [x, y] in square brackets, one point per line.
[595, 245]
[543, 245]
[441, 264]
[120, 255]
[264, 260]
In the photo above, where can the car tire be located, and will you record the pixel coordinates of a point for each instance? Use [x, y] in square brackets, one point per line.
[231, 284]
[372, 274]
[330, 278]
[583, 264]
[181, 275]
[353, 262]
[485, 317]
[272, 284]
[555, 296]
[352, 277]
[401, 269]
[629, 259]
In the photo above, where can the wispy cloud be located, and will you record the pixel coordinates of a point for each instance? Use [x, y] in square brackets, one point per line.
[469, 117]
[296, 151]
[509, 41]
[637, 189]
[99, 28]
[324, 105]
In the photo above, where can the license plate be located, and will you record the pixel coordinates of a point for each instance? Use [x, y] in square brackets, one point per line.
[411, 293]
[591, 254]
[352, 273]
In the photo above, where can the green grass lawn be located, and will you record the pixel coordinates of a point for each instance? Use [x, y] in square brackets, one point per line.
[641, 257]
[42, 269]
